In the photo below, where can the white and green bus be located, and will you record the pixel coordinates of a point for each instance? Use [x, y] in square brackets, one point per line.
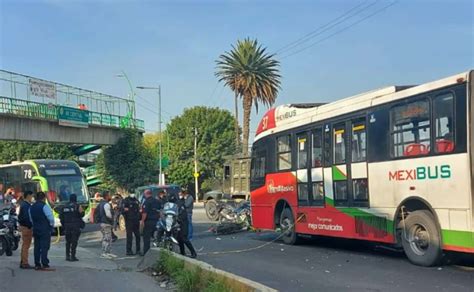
[58, 179]
[393, 165]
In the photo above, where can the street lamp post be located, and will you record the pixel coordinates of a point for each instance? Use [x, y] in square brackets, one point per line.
[132, 93]
[160, 180]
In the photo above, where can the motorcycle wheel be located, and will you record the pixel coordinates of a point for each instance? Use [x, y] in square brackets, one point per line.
[7, 247]
[16, 243]
[3, 245]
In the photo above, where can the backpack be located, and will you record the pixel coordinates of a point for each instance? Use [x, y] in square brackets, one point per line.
[97, 211]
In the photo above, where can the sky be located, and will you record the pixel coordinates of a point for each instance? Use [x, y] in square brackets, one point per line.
[175, 44]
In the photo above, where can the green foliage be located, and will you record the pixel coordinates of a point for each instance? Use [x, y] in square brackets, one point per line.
[127, 164]
[169, 264]
[215, 140]
[189, 279]
[20, 151]
[252, 74]
[214, 285]
[212, 183]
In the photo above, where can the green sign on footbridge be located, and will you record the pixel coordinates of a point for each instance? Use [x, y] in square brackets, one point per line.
[72, 117]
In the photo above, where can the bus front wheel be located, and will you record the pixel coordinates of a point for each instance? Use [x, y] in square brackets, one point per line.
[288, 228]
[421, 239]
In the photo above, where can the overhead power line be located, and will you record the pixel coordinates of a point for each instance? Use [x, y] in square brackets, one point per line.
[341, 30]
[359, 8]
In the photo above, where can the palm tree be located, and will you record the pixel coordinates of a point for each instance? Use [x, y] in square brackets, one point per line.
[253, 75]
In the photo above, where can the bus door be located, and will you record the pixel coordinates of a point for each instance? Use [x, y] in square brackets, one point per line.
[340, 164]
[303, 171]
[310, 168]
[310, 174]
[357, 163]
[349, 171]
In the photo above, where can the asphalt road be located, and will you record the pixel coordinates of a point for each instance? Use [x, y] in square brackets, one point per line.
[90, 274]
[324, 264]
[320, 264]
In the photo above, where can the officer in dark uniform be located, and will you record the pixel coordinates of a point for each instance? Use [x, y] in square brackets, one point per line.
[131, 212]
[150, 216]
[71, 220]
[184, 228]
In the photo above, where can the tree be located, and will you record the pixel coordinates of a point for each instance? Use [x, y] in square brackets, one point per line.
[253, 75]
[215, 140]
[150, 141]
[20, 151]
[127, 164]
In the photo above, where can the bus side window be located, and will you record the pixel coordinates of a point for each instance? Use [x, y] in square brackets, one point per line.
[327, 146]
[359, 144]
[339, 144]
[284, 152]
[410, 129]
[302, 151]
[443, 106]
[317, 149]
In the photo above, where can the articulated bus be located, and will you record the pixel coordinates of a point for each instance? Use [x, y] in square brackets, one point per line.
[393, 165]
[56, 178]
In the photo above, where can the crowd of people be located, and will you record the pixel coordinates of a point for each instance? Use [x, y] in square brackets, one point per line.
[36, 224]
[144, 217]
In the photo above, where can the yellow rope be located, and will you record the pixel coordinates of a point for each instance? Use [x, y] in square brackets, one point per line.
[58, 236]
[252, 248]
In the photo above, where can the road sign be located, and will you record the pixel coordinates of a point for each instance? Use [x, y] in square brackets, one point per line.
[72, 117]
[196, 174]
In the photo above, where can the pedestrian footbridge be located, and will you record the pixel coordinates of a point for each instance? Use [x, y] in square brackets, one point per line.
[36, 110]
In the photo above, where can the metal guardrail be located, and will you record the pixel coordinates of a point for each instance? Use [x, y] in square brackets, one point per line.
[90, 171]
[29, 109]
[89, 157]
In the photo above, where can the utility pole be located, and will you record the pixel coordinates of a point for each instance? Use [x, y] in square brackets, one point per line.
[161, 177]
[160, 156]
[196, 174]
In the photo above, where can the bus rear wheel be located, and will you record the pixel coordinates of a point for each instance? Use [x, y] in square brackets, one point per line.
[288, 228]
[421, 239]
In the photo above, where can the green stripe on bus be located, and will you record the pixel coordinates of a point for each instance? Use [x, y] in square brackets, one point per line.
[367, 217]
[329, 201]
[458, 238]
[337, 174]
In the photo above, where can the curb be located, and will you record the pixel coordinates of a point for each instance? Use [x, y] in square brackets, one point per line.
[237, 282]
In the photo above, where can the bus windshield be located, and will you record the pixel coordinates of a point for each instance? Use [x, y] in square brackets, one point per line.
[62, 186]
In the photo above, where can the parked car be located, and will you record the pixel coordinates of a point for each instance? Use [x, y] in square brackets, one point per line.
[171, 191]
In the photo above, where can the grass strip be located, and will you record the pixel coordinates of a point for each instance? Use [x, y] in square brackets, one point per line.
[189, 279]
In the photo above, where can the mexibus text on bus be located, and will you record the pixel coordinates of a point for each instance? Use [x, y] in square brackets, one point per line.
[58, 179]
[393, 165]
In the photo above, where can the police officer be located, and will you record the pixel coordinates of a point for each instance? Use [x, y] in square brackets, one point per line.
[150, 216]
[184, 228]
[71, 220]
[162, 199]
[131, 212]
